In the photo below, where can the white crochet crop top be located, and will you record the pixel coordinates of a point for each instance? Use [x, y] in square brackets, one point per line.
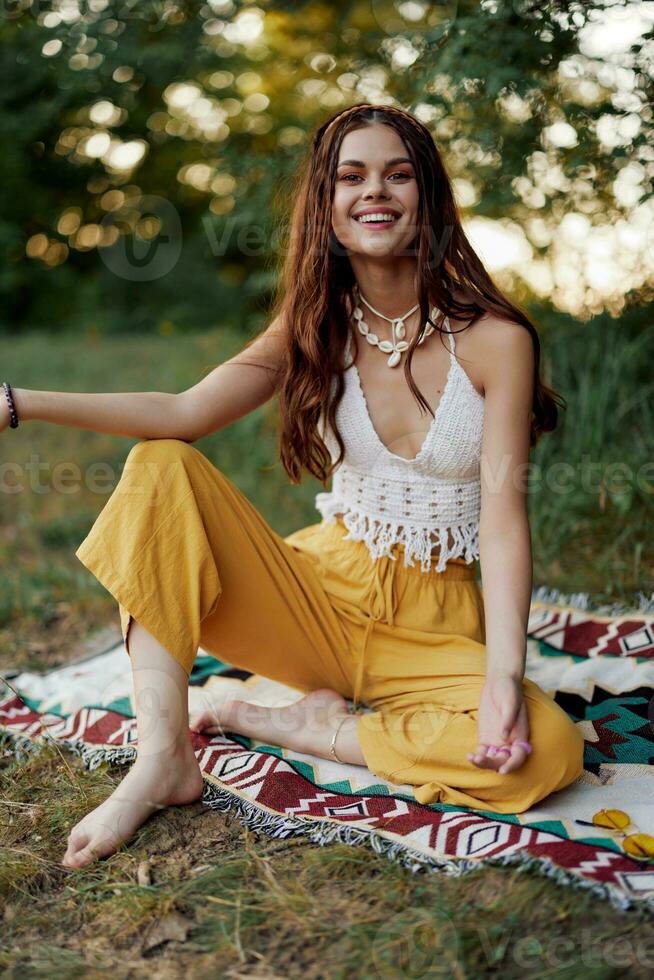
[431, 500]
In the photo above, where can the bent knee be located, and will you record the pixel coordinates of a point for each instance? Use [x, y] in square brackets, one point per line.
[533, 783]
[558, 744]
[161, 449]
[158, 469]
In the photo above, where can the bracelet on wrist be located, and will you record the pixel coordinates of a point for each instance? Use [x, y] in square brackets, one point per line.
[13, 414]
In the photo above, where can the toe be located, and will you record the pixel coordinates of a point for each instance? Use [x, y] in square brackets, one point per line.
[77, 841]
[203, 721]
[91, 847]
[80, 858]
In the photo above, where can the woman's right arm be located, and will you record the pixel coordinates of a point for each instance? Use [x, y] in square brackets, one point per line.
[230, 391]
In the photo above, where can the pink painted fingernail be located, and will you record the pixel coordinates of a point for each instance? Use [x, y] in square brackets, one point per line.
[524, 745]
[491, 751]
[504, 748]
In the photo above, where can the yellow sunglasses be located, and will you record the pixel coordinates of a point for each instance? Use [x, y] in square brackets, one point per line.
[636, 844]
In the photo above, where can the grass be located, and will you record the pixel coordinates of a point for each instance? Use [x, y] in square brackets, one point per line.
[592, 501]
[196, 893]
[66, 475]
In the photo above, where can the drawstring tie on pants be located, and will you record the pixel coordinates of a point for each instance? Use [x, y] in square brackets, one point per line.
[380, 604]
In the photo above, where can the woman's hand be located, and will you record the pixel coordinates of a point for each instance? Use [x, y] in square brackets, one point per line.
[501, 720]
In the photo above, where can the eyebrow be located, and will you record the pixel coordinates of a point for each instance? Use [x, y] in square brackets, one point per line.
[360, 163]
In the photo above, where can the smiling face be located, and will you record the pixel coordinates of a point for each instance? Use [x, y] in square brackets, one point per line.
[376, 178]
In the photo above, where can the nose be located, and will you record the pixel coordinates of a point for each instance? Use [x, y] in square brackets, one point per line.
[375, 188]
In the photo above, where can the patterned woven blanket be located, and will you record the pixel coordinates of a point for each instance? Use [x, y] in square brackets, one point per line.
[597, 663]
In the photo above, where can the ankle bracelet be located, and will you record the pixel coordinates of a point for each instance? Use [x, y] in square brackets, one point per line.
[332, 747]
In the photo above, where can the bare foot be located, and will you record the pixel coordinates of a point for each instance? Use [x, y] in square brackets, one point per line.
[305, 726]
[150, 785]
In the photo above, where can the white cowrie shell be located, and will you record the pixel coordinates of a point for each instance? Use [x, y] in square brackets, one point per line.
[400, 330]
[386, 346]
[394, 359]
[372, 338]
[402, 346]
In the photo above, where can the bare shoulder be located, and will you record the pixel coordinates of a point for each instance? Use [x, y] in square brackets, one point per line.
[500, 338]
[493, 348]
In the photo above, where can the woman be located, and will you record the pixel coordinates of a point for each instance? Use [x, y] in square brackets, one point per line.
[377, 603]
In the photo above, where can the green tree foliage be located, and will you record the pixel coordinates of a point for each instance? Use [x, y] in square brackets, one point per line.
[148, 147]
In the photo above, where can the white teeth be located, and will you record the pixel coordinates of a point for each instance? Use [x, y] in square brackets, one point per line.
[382, 216]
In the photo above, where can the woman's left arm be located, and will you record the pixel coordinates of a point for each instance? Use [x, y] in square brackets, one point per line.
[504, 535]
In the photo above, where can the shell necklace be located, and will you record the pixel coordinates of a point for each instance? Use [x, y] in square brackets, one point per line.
[398, 345]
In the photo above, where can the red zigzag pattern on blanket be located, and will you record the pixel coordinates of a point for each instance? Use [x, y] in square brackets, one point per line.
[449, 839]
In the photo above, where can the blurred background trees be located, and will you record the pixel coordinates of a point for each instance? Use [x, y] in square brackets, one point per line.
[149, 147]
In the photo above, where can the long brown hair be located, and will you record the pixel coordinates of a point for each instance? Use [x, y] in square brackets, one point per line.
[317, 279]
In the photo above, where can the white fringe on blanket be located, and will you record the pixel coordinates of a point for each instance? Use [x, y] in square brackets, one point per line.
[326, 831]
[641, 603]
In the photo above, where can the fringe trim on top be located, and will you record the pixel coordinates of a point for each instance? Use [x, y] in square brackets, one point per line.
[379, 536]
[325, 831]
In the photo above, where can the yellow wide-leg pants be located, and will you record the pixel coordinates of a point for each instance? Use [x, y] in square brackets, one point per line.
[187, 555]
